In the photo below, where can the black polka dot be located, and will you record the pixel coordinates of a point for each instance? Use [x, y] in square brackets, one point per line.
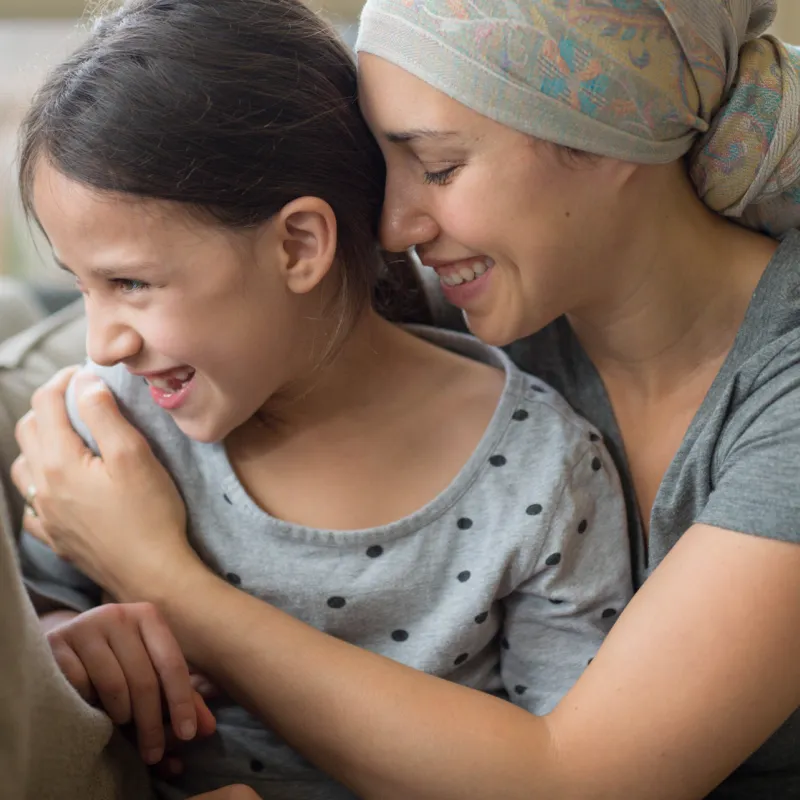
[534, 510]
[233, 579]
[594, 437]
[504, 643]
[596, 464]
[537, 388]
[589, 661]
[556, 602]
[376, 551]
[400, 635]
[609, 612]
[337, 602]
[256, 765]
[520, 415]
[481, 618]
[553, 560]
[461, 659]
[497, 461]
[228, 500]
[583, 526]
[520, 689]
[464, 576]
[464, 524]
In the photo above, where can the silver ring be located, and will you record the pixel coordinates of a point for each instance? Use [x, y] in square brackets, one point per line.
[30, 499]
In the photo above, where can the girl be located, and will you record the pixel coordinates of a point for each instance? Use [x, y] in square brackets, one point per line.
[676, 330]
[202, 169]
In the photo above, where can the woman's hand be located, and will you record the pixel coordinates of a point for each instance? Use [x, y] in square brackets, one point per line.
[118, 516]
[124, 658]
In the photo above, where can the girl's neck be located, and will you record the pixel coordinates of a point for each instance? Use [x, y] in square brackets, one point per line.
[361, 373]
[682, 292]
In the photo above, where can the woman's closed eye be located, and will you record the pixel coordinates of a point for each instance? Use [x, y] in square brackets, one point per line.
[441, 177]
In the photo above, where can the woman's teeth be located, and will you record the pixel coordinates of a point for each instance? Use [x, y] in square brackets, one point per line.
[466, 273]
[173, 382]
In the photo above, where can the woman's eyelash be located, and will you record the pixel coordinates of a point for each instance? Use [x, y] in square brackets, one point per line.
[442, 177]
[128, 285]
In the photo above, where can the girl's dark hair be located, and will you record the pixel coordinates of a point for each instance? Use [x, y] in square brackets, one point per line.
[232, 108]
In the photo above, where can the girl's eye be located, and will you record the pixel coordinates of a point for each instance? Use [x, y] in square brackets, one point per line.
[129, 286]
[441, 178]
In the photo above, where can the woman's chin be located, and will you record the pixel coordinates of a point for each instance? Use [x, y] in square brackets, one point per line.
[495, 328]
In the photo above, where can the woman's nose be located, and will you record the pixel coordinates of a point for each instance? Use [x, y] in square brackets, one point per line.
[405, 222]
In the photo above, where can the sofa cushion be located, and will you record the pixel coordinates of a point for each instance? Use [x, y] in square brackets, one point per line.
[27, 360]
[19, 307]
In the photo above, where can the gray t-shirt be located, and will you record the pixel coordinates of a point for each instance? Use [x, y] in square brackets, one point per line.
[506, 582]
[738, 467]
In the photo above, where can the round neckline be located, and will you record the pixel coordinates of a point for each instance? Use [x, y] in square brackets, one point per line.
[513, 391]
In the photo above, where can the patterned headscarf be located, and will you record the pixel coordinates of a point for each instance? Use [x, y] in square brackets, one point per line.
[646, 81]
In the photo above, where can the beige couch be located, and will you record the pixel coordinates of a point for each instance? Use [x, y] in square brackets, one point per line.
[27, 360]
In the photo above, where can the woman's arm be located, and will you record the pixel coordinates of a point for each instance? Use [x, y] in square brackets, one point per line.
[696, 674]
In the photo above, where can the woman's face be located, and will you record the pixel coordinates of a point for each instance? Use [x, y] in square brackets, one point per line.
[207, 317]
[518, 232]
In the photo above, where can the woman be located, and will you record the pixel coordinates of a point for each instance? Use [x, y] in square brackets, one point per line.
[548, 139]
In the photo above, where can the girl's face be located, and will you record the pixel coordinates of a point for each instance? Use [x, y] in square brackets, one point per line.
[216, 322]
[517, 233]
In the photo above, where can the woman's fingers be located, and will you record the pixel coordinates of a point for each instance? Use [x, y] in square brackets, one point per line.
[26, 433]
[173, 672]
[58, 443]
[121, 446]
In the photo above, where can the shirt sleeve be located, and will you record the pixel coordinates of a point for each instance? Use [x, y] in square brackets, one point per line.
[558, 616]
[755, 477]
[52, 582]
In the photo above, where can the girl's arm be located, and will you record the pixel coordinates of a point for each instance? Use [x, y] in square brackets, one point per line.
[696, 674]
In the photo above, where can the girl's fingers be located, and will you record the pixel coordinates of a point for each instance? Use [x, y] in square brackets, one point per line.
[108, 679]
[173, 673]
[144, 689]
[72, 668]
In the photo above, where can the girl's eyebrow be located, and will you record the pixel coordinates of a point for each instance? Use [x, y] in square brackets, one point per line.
[107, 272]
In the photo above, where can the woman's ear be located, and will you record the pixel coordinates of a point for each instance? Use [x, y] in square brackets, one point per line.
[306, 233]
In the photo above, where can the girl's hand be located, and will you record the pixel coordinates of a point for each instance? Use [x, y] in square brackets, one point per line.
[118, 516]
[229, 793]
[124, 658]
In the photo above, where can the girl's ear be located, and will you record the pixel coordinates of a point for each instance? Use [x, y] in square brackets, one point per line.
[306, 238]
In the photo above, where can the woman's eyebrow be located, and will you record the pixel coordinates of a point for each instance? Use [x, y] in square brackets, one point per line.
[403, 137]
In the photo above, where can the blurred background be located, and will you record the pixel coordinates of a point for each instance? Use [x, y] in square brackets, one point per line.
[34, 34]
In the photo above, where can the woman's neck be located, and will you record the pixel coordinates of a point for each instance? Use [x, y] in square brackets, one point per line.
[681, 294]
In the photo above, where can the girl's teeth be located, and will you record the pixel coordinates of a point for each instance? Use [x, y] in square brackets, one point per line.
[479, 267]
[173, 382]
[467, 274]
[456, 279]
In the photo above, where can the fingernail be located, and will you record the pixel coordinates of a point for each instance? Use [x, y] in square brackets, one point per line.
[153, 756]
[188, 729]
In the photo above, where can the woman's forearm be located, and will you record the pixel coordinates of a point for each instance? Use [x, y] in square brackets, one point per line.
[393, 732]
[697, 673]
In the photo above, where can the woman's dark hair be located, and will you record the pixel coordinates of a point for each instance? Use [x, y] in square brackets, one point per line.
[232, 108]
